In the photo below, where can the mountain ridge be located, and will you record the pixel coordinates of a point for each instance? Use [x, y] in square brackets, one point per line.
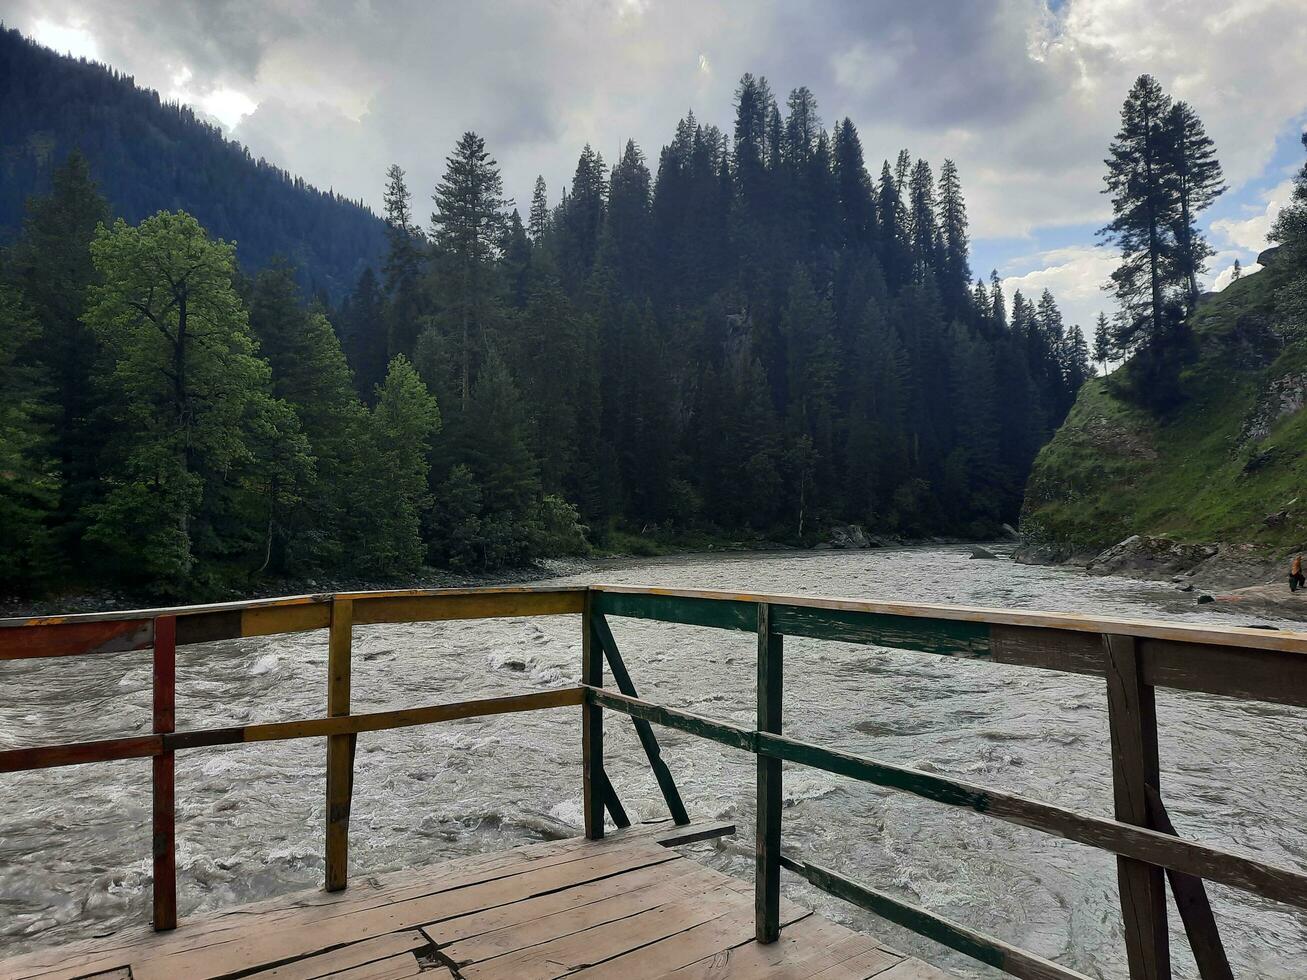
[148, 155]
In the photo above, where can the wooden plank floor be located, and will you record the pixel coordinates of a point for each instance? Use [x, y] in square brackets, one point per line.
[626, 907]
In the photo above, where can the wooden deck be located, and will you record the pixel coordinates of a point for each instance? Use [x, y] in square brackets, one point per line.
[626, 906]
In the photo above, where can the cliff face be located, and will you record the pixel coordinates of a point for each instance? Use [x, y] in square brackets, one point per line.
[1228, 466]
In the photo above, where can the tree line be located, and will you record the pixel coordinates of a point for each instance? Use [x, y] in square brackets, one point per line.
[755, 336]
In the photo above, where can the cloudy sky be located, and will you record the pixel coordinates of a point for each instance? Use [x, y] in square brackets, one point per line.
[1023, 94]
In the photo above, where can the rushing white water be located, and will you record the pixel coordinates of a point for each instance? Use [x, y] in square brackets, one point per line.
[75, 842]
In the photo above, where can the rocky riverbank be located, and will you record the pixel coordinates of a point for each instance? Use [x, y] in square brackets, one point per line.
[1239, 575]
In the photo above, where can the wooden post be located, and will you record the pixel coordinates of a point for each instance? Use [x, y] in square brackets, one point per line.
[1132, 716]
[767, 869]
[340, 748]
[592, 729]
[164, 820]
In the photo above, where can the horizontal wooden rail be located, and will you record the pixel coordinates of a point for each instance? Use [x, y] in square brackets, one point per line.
[375, 721]
[147, 746]
[76, 753]
[987, 949]
[1263, 665]
[118, 632]
[1140, 843]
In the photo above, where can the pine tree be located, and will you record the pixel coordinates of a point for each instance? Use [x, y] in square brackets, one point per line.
[955, 271]
[583, 219]
[1102, 343]
[1145, 204]
[923, 230]
[402, 271]
[468, 225]
[998, 311]
[29, 470]
[1076, 366]
[51, 266]
[363, 334]
[310, 373]
[626, 243]
[538, 221]
[1198, 181]
[856, 200]
[753, 105]
[403, 423]
[1236, 271]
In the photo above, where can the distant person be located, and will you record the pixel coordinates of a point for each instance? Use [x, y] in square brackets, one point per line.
[1296, 580]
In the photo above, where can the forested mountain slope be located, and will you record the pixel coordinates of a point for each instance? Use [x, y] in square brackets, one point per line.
[1228, 464]
[148, 155]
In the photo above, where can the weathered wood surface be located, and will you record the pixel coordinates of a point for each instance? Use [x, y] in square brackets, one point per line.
[163, 776]
[767, 847]
[622, 907]
[1132, 718]
[340, 748]
[595, 789]
[76, 753]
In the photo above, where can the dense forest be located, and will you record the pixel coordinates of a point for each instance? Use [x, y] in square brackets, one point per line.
[149, 155]
[754, 336]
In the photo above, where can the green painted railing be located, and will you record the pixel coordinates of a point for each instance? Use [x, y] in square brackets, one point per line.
[1133, 658]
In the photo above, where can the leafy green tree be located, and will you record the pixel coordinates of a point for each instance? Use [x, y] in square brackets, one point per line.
[191, 395]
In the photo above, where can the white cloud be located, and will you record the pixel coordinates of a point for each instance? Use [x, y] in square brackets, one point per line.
[1249, 234]
[1226, 275]
[1075, 276]
[73, 39]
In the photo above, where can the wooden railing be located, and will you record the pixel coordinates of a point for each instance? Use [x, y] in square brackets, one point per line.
[1133, 658]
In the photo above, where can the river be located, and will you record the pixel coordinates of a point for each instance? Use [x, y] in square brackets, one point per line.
[75, 842]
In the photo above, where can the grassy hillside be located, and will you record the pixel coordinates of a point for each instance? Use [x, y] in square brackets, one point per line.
[1212, 470]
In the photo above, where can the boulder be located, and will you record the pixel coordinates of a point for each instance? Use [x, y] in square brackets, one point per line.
[1268, 255]
[848, 536]
[985, 553]
[1144, 556]
[1204, 599]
